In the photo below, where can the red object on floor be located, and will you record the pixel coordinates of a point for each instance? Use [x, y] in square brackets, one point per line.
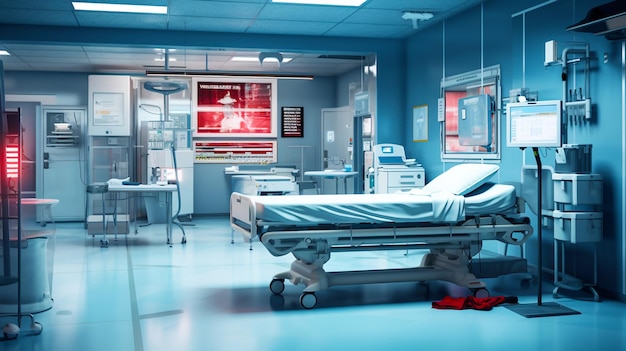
[472, 302]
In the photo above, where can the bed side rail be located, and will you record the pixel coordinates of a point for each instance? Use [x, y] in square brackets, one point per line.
[243, 215]
[280, 242]
[520, 205]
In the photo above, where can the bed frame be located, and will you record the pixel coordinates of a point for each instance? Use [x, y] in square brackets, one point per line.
[451, 245]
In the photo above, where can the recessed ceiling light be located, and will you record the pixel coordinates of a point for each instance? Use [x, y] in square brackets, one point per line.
[93, 6]
[4, 53]
[324, 2]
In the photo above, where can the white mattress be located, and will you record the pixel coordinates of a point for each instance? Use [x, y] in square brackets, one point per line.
[384, 208]
[359, 208]
[491, 199]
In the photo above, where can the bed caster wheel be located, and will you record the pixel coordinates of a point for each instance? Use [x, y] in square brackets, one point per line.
[104, 243]
[184, 240]
[482, 292]
[11, 331]
[308, 300]
[36, 328]
[277, 286]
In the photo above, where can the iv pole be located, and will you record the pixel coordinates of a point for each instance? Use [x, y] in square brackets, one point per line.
[540, 309]
[166, 89]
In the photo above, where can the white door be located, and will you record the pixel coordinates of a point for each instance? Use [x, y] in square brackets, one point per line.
[337, 130]
[63, 162]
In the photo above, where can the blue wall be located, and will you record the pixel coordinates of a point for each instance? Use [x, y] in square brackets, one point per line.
[511, 43]
[70, 89]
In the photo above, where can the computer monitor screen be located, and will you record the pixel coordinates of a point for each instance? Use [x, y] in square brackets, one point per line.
[534, 124]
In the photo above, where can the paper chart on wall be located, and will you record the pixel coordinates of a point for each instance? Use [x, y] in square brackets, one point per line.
[108, 109]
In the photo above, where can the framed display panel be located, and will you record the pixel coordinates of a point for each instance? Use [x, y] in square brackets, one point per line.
[227, 151]
[292, 122]
[109, 105]
[234, 107]
[420, 123]
[457, 88]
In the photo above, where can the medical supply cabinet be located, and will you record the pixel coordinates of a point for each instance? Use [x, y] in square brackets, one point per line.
[61, 160]
[577, 219]
[391, 180]
[110, 117]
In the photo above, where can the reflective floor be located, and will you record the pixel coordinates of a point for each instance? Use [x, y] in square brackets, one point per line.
[208, 294]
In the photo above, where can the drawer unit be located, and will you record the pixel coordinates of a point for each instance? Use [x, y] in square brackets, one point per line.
[577, 189]
[400, 179]
[578, 227]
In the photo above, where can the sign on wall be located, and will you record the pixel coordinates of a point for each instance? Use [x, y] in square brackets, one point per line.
[232, 151]
[234, 107]
[292, 122]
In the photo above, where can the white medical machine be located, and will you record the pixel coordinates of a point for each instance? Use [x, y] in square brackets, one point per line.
[263, 180]
[393, 171]
[161, 168]
[264, 185]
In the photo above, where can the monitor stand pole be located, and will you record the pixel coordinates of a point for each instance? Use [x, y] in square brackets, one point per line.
[540, 309]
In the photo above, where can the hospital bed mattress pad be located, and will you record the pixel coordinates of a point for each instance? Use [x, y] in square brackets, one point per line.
[440, 207]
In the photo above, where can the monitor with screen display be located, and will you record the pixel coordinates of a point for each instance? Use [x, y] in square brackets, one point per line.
[534, 124]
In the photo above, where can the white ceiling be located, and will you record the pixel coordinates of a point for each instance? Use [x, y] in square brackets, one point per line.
[373, 19]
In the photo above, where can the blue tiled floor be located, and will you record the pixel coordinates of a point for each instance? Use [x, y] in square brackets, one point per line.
[141, 294]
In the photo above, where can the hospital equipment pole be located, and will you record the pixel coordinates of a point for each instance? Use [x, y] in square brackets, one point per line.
[539, 225]
[540, 309]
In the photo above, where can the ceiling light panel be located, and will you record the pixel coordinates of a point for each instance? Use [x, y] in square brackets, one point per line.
[354, 3]
[102, 7]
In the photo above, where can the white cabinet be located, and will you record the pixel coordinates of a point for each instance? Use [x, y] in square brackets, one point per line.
[577, 220]
[61, 160]
[109, 105]
[576, 201]
[389, 180]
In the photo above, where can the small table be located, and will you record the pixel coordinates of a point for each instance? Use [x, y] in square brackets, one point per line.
[168, 189]
[336, 174]
[36, 263]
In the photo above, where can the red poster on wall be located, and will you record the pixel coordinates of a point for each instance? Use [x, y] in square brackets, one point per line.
[234, 108]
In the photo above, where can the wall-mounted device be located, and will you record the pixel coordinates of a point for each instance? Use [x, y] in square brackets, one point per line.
[62, 127]
[475, 120]
[534, 124]
[109, 105]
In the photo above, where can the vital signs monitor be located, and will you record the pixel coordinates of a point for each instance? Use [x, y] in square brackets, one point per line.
[534, 124]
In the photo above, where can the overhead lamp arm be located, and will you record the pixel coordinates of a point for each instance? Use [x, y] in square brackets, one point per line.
[416, 16]
[275, 55]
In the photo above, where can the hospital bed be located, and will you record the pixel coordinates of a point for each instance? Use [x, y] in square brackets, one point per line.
[451, 216]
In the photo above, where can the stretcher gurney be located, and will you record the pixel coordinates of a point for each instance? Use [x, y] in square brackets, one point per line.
[451, 226]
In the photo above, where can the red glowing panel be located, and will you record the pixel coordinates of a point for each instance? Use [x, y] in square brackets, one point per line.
[13, 161]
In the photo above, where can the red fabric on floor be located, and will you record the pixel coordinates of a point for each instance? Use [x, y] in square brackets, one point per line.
[472, 302]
